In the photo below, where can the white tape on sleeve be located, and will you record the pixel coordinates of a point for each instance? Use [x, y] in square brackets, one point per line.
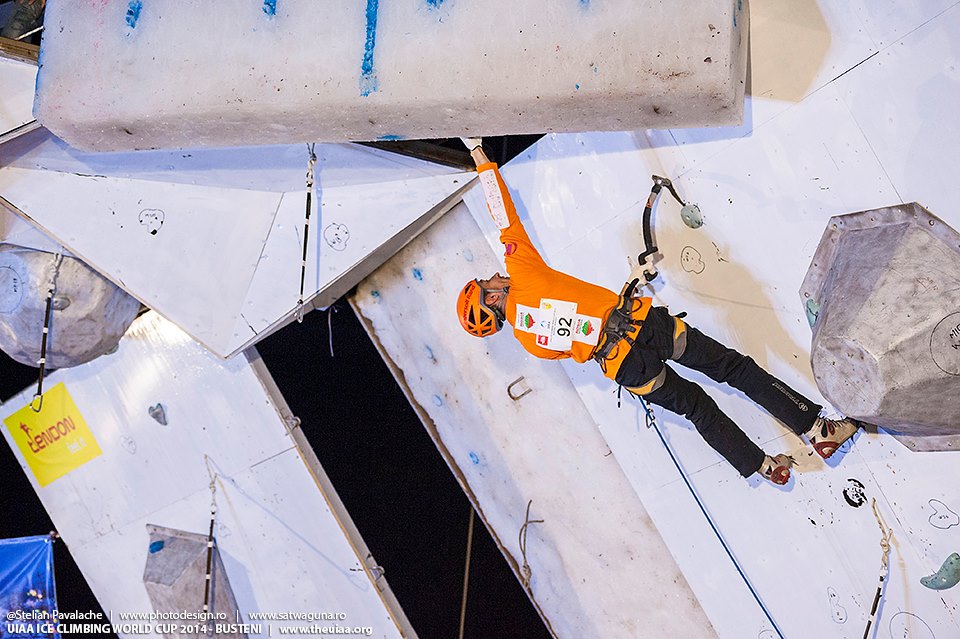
[491, 191]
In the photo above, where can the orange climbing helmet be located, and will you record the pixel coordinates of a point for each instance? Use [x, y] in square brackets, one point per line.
[477, 318]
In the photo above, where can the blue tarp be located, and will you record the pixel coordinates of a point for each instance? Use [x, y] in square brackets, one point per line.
[28, 596]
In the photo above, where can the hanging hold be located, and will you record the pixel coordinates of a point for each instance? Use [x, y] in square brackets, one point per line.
[813, 312]
[690, 214]
[87, 316]
[158, 413]
[947, 577]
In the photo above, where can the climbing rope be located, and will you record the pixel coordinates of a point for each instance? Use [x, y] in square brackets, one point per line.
[213, 514]
[885, 536]
[37, 403]
[466, 573]
[525, 570]
[652, 421]
[311, 162]
[330, 311]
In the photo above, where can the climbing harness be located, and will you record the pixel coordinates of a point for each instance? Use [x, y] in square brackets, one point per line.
[213, 515]
[37, 403]
[885, 535]
[619, 326]
[525, 571]
[652, 422]
[689, 213]
[311, 162]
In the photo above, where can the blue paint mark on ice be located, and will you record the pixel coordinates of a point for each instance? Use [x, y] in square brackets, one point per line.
[577, 86]
[584, 4]
[368, 78]
[375, 295]
[474, 458]
[390, 137]
[434, 4]
[418, 274]
[430, 354]
[156, 546]
[437, 400]
[133, 13]
[270, 7]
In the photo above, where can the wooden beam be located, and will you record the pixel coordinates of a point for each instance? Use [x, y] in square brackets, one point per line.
[16, 50]
[425, 150]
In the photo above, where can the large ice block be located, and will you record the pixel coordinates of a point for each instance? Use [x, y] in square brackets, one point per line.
[120, 75]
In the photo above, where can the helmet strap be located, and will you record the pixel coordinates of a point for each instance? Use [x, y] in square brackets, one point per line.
[498, 308]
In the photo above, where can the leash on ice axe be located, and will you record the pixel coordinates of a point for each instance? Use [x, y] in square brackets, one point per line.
[690, 214]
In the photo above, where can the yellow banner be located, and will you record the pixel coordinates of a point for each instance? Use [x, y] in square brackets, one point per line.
[56, 440]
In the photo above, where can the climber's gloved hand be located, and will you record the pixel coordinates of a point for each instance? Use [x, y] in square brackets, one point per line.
[471, 143]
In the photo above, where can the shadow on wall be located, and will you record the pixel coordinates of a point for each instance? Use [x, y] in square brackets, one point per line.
[791, 41]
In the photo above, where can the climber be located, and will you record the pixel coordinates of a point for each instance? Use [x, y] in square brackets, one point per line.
[555, 316]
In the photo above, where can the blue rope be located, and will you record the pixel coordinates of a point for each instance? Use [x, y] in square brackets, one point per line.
[651, 420]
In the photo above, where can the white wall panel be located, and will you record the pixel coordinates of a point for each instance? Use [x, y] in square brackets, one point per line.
[910, 130]
[278, 168]
[187, 251]
[217, 247]
[795, 50]
[16, 98]
[282, 546]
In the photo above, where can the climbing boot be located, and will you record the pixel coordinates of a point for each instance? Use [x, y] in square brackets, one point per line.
[777, 469]
[827, 435]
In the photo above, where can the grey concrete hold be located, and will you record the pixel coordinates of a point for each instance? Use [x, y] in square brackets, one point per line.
[886, 338]
[90, 313]
[175, 575]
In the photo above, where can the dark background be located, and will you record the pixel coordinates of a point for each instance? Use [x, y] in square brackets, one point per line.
[397, 488]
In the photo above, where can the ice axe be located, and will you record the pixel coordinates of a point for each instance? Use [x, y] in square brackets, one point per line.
[690, 214]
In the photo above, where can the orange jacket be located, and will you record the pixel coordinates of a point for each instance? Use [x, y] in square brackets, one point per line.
[553, 314]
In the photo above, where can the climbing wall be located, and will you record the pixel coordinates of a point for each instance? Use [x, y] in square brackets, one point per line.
[152, 428]
[516, 435]
[213, 238]
[286, 71]
[798, 561]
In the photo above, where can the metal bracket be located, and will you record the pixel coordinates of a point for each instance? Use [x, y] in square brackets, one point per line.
[527, 390]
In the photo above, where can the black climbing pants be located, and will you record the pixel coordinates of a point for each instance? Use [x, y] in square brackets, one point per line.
[647, 359]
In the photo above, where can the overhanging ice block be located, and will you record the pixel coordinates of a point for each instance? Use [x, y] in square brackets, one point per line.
[295, 70]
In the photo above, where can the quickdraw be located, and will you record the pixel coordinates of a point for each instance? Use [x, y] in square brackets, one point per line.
[311, 162]
[37, 403]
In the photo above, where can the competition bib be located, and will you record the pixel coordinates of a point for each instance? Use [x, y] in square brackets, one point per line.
[557, 324]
